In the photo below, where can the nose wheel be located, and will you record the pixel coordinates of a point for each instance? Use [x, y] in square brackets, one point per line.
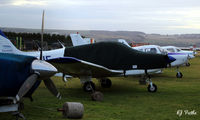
[151, 87]
[89, 86]
[179, 75]
[187, 64]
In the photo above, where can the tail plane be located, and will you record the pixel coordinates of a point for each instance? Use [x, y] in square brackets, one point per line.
[77, 40]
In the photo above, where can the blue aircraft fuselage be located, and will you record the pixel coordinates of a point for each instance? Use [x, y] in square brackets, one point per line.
[14, 70]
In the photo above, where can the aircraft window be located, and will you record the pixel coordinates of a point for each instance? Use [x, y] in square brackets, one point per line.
[170, 49]
[151, 50]
[178, 50]
[162, 51]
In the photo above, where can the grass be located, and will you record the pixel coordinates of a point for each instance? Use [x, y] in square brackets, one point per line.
[125, 100]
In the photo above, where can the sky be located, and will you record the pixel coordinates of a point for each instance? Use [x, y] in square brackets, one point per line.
[149, 16]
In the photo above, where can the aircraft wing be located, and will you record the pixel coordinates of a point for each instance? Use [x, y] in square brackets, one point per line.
[75, 67]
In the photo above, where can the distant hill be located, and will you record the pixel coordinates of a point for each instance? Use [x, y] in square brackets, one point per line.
[130, 36]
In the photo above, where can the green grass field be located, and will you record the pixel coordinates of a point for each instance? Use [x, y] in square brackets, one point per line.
[125, 100]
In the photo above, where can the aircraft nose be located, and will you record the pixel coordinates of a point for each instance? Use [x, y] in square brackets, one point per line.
[170, 59]
[44, 68]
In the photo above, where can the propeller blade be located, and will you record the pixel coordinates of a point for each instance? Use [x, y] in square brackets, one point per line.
[27, 85]
[52, 88]
[42, 31]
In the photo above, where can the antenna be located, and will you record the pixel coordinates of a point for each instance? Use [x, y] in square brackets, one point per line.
[42, 31]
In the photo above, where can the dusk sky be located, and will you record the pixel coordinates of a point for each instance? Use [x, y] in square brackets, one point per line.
[149, 16]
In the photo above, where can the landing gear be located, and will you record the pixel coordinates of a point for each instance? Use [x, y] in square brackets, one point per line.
[18, 115]
[179, 74]
[187, 64]
[89, 86]
[151, 87]
[143, 79]
[106, 83]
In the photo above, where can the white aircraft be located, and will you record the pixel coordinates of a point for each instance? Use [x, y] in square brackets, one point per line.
[181, 59]
[173, 49]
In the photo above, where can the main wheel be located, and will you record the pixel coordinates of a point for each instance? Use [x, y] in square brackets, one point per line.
[152, 88]
[187, 64]
[89, 86]
[179, 75]
[106, 83]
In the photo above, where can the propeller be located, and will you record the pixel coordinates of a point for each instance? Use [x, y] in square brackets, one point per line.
[42, 70]
[170, 59]
[52, 88]
[42, 31]
[48, 82]
[27, 85]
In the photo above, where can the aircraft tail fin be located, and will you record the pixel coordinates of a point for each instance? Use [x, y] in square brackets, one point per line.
[123, 42]
[6, 45]
[77, 40]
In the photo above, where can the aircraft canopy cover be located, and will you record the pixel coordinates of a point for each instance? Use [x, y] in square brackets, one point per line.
[14, 70]
[116, 56]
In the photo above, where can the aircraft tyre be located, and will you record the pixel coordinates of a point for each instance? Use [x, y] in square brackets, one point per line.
[73, 110]
[187, 64]
[179, 75]
[106, 83]
[97, 96]
[152, 88]
[89, 86]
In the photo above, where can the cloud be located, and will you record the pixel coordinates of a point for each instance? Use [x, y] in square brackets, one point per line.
[28, 2]
[22, 2]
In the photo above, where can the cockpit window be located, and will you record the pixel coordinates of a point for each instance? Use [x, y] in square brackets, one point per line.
[162, 51]
[170, 49]
[151, 50]
[178, 50]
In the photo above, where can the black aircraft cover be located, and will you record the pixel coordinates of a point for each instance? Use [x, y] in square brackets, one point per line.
[117, 56]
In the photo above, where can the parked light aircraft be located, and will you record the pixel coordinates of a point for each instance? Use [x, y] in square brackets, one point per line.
[173, 49]
[98, 60]
[77, 40]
